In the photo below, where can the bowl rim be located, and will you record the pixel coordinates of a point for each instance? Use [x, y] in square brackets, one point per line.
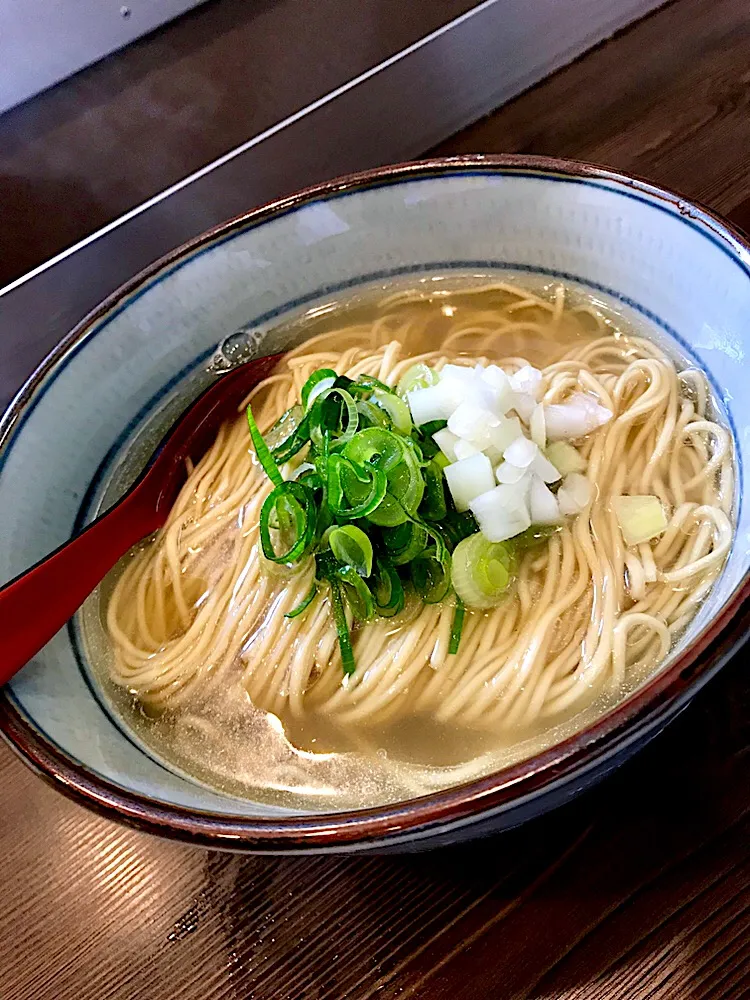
[660, 697]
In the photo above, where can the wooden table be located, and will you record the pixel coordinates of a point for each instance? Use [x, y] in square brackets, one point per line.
[640, 889]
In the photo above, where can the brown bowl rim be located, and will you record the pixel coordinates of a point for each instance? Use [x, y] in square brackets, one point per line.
[661, 696]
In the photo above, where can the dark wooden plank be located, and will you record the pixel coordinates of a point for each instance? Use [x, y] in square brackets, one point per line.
[640, 889]
[668, 99]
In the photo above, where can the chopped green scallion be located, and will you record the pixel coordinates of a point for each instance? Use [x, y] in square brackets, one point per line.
[370, 506]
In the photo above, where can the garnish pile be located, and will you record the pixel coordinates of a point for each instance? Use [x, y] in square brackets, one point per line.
[368, 498]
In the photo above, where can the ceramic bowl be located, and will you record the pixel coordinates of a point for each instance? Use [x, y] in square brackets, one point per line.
[135, 360]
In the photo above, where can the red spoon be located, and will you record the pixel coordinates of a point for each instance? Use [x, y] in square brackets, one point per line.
[35, 605]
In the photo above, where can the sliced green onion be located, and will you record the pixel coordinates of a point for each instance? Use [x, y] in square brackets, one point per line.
[354, 490]
[457, 626]
[305, 602]
[405, 492]
[406, 484]
[342, 627]
[456, 526]
[317, 376]
[289, 434]
[334, 412]
[357, 593]
[432, 427]
[367, 463]
[442, 550]
[284, 427]
[320, 455]
[375, 445]
[389, 513]
[405, 542]
[419, 376]
[424, 437]
[482, 571]
[265, 457]
[388, 591]
[351, 546]
[293, 507]
[370, 382]
[396, 409]
[431, 576]
[365, 489]
[416, 450]
[371, 415]
[640, 518]
[309, 475]
[441, 562]
[323, 525]
[433, 505]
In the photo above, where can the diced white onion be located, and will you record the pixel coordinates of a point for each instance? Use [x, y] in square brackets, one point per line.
[521, 452]
[544, 508]
[575, 418]
[527, 381]
[493, 454]
[518, 493]
[507, 473]
[565, 457]
[641, 518]
[507, 430]
[461, 372]
[464, 449]
[526, 384]
[574, 494]
[468, 384]
[468, 478]
[472, 422]
[500, 388]
[446, 442]
[436, 402]
[543, 468]
[538, 427]
[523, 404]
[500, 513]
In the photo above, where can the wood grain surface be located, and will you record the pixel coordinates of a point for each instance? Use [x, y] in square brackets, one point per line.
[639, 889]
[668, 98]
[102, 142]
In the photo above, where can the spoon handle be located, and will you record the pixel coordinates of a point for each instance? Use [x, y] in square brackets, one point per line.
[37, 604]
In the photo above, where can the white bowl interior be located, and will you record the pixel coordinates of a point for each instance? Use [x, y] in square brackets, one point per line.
[137, 363]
